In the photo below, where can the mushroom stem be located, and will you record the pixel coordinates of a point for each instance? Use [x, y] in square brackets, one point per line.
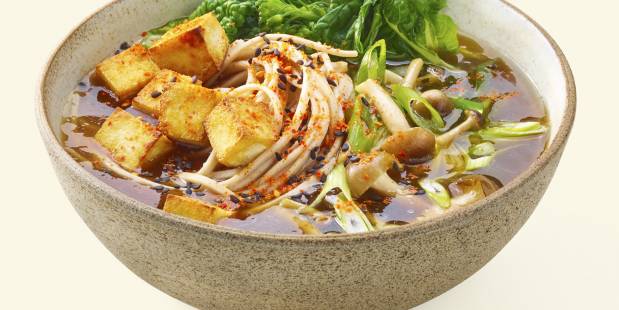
[412, 74]
[387, 186]
[472, 121]
[389, 111]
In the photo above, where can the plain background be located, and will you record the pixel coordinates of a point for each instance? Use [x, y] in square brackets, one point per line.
[565, 257]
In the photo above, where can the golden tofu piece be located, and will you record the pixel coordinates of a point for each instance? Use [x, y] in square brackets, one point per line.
[195, 48]
[148, 99]
[194, 209]
[128, 72]
[240, 129]
[184, 110]
[132, 142]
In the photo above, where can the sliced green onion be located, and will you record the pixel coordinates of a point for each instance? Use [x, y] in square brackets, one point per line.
[374, 63]
[363, 132]
[479, 163]
[505, 130]
[436, 192]
[347, 213]
[482, 149]
[405, 96]
[465, 104]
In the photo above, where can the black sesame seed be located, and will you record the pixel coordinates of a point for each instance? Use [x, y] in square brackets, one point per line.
[125, 46]
[354, 159]
[158, 188]
[278, 156]
[281, 86]
[250, 61]
[244, 195]
[194, 79]
[258, 52]
[331, 82]
[320, 158]
[280, 71]
[200, 194]
[117, 52]
[165, 191]
[293, 88]
[177, 186]
[420, 192]
[365, 102]
[301, 46]
[195, 186]
[293, 179]
[282, 77]
[323, 178]
[266, 40]
[339, 133]
[165, 179]
[156, 94]
[294, 76]
[262, 34]
[173, 79]
[300, 62]
[234, 199]
[82, 84]
[334, 192]
[314, 152]
[276, 52]
[157, 180]
[189, 191]
[345, 147]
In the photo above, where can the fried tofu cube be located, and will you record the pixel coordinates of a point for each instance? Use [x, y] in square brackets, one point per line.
[128, 72]
[194, 209]
[240, 129]
[184, 110]
[195, 48]
[148, 99]
[132, 142]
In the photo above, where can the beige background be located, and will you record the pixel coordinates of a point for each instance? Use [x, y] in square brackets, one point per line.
[566, 256]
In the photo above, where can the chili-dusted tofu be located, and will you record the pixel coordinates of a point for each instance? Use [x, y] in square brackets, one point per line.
[195, 48]
[132, 142]
[194, 209]
[128, 72]
[240, 129]
[184, 110]
[149, 98]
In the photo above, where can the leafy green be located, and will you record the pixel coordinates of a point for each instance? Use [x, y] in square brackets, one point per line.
[482, 149]
[239, 18]
[504, 130]
[405, 96]
[413, 28]
[291, 16]
[347, 213]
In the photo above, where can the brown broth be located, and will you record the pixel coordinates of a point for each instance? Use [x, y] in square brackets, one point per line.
[514, 100]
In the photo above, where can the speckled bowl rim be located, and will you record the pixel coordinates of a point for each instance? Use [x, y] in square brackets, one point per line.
[441, 222]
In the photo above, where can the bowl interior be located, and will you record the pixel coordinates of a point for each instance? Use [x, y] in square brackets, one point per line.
[494, 23]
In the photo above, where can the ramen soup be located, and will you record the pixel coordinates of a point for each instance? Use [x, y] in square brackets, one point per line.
[275, 132]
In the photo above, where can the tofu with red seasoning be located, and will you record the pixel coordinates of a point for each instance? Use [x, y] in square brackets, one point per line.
[240, 129]
[128, 72]
[132, 142]
[148, 99]
[184, 110]
[195, 48]
[194, 209]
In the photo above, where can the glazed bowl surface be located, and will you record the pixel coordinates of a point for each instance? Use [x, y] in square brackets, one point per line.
[214, 267]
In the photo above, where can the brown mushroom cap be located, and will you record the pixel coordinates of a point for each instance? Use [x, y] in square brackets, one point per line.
[412, 145]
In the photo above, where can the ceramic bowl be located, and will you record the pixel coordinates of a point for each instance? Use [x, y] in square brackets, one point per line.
[214, 267]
